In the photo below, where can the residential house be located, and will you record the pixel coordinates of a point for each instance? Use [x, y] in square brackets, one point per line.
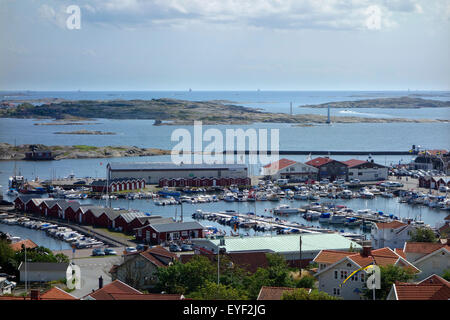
[430, 288]
[336, 267]
[118, 290]
[391, 234]
[430, 258]
[274, 293]
[166, 232]
[29, 244]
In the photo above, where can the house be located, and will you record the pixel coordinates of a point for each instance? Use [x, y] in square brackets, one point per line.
[289, 169]
[165, 232]
[54, 293]
[431, 288]
[391, 234]
[287, 246]
[43, 271]
[430, 258]
[138, 269]
[38, 155]
[17, 246]
[366, 170]
[273, 293]
[329, 168]
[434, 182]
[128, 221]
[117, 290]
[336, 267]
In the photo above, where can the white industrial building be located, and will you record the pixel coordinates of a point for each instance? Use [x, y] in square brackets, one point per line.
[152, 172]
[289, 169]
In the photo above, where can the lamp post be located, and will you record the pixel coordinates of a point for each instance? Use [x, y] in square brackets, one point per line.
[219, 247]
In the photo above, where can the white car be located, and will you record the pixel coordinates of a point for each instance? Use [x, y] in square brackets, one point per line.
[444, 189]
[130, 250]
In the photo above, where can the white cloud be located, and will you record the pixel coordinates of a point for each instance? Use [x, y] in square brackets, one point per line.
[274, 14]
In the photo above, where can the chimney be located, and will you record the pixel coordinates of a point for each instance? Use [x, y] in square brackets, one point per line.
[366, 251]
[35, 294]
[100, 282]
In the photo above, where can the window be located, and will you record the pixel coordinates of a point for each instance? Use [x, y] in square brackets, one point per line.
[336, 291]
[350, 173]
[335, 274]
[362, 276]
[360, 174]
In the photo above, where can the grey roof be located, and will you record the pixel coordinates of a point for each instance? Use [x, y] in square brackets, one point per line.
[171, 166]
[27, 197]
[130, 216]
[44, 266]
[176, 226]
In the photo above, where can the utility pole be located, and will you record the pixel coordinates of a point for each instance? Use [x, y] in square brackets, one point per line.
[300, 255]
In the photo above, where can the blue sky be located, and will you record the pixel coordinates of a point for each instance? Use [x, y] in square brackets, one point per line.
[226, 45]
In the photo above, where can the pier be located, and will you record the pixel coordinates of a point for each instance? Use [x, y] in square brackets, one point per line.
[328, 152]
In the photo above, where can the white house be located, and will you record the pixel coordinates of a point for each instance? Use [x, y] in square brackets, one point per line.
[366, 170]
[335, 267]
[391, 234]
[289, 169]
[430, 258]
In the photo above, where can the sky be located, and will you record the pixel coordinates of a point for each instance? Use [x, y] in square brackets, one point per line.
[225, 45]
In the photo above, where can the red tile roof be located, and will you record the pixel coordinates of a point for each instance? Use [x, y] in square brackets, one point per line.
[17, 246]
[381, 257]
[56, 293]
[331, 256]
[400, 252]
[115, 287]
[319, 161]
[150, 296]
[272, 293]
[153, 253]
[353, 162]
[424, 247]
[390, 225]
[431, 288]
[280, 164]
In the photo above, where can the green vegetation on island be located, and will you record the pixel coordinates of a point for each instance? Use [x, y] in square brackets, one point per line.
[182, 112]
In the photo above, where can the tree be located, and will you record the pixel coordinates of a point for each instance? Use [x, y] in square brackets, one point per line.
[277, 274]
[213, 291]
[423, 235]
[7, 262]
[185, 278]
[446, 275]
[306, 282]
[303, 294]
[389, 275]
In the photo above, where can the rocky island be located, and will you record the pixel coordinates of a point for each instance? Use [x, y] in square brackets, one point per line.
[10, 152]
[385, 103]
[86, 132]
[182, 112]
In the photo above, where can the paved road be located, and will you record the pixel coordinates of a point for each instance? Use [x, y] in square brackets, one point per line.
[91, 269]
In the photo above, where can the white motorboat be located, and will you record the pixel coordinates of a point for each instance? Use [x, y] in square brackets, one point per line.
[338, 219]
[285, 209]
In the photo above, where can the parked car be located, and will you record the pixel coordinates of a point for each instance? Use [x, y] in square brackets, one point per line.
[355, 181]
[339, 181]
[186, 247]
[140, 247]
[444, 189]
[130, 250]
[174, 248]
[98, 252]
[324, 181]
[110, 252]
